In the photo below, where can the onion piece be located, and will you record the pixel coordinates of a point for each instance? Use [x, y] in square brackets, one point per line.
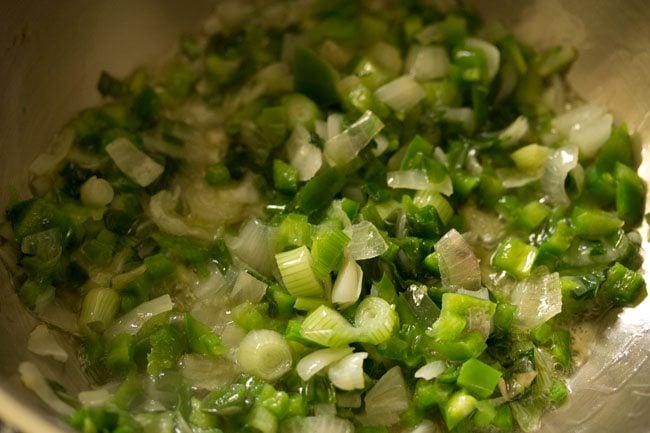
[347, 373]
[254, 246]
[492, 55]
[426, 426]
[431, 370]
[558, 165]
[317, 361]
[264, 353]
[205, 373]
[459, 267]
[386, 400]
[408, 179]
[462, 115]
[131, 322]
[588, 126]
[248, 288]
[538, 298]
[136, 164]
[387, 56]
[345, 146]
[365, 241]
[95, 397]
[42, 342]
[303, 155]
[47, 162]
[162, 212]
[318, 424]
[382, 145]
[347, 287]
[401, 94]
[32, 378]
[515, 132]
[427, 63]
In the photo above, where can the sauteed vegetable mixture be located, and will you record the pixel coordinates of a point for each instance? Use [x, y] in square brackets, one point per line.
[332, 217]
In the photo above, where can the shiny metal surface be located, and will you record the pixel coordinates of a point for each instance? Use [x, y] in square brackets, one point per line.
[52, 53]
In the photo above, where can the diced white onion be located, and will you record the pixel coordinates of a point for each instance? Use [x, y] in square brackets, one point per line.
[42, 342]
[95, 397]
[303, 155]
[254, 246]
[32, 378]
[401, 94]
[482, 293]
[387, 56]
[386, 400]
[347, 287]
[538, 298]
[365, 241]
[136, 164]
[248, 288]
[382, 144]
[426, 426]
[492, 55]
[588, 127]
[459, 267]
[347, 374]
[334, 125]
[317, 424]
[131, 322]
[230, 204]
[463, 115]
[559, 163]
[207, 373]
[431, 370]
[427, 63]
[96, 192]
[418, 180]
[513, 178]
[47, 162]
[345, 146]
[162, 210]
[319, 360]
[515, 132]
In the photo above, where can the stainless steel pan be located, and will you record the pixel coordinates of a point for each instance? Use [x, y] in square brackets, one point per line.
[51, 53]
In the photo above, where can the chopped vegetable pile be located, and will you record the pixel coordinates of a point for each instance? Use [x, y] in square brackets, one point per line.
[327, 217]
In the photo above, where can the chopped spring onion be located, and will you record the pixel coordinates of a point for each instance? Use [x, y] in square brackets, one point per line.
[408, 179]
[265, 354]
[43, 343]
[425, 63]
[386, 400]
[430, 370]
[365, 241]
[347, 287]
[328, 248]
[303, 155]
[96, 192]
[347, 373]
[344, 147]
[131, 322]
[430, 197]
[32, 378]
[375, 319]
[401, 94]
[297, 270]
[133, 162]
[538, 298]
[459, 267]
[95, 397]
[254, 246]
[262, 420]
[98, 309]
[319, 360]
[558, 165]
[327, 327]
